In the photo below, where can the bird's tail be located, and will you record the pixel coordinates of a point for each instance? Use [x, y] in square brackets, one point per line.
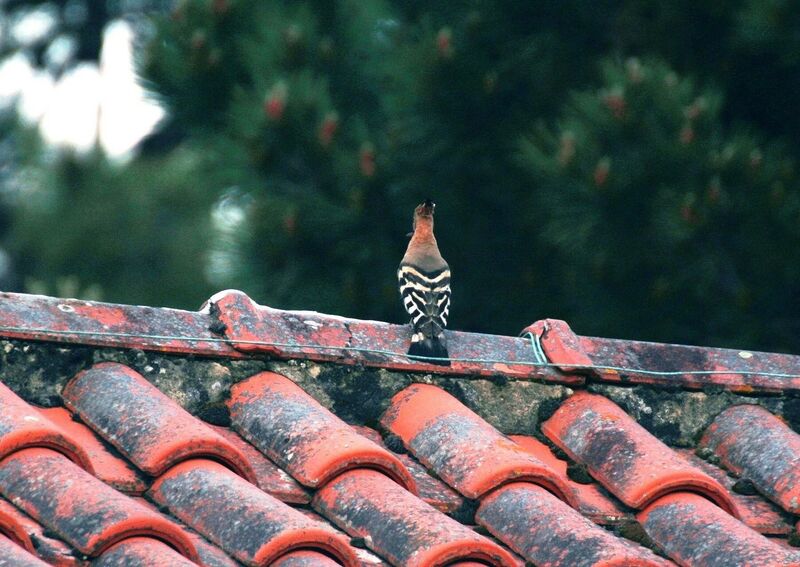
[432, 347]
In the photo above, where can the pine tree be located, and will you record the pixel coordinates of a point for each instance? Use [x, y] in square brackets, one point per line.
[652, 198]
[668, 221]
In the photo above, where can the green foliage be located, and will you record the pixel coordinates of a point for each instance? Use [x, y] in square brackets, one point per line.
[663, 214]
[651, 199]
[92, 229]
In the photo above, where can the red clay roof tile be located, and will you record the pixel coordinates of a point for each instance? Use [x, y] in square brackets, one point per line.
[269, 477]
[305, 558]
[693, 531]
[465, 451]
[365, 557]
[561, 346]
[53, 551]
[141, 552]
[85, 512]
[546, 531]
[694, 367]
[399, 526]
[623, 456]
[21, 425]
[12, 555]
[148, 427]
[756, 445]
[468, 452]
[431, 489]
[253, 328]
[591, 500]
[106, 324]
[209, 555]
[755, 511]
[248, 523]
[304, 438]
[108, 467]
[12, 527]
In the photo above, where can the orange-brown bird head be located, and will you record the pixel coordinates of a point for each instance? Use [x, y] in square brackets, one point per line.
[425, 209]
[423, 216]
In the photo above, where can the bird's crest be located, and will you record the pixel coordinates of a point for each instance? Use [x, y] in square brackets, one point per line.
[425, 209]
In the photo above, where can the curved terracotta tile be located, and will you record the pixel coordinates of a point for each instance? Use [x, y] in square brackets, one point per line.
[111, 469]
[302, 437]
[141, 552]
[209, 554]
[430, 489]
[623, 456]
[12, 528]
[591, 500]
[758, 446]
[22, 425]
[12, 555]
[458, 445]
[693, 531]
[754, 510]
[147, 426]
[305, 558]
[52, 551]
[365, 557]
[81, 509]
[249, 524]
[546, 531]
[399, 526]
[269, 477]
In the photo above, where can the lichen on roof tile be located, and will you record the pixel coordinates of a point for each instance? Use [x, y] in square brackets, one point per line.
[178, 384]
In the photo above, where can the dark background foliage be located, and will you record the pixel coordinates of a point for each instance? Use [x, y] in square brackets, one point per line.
[628, 166]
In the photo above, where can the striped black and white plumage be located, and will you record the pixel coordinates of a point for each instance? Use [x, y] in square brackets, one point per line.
[424, 279]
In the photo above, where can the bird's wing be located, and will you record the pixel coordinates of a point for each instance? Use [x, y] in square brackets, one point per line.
[426, 297]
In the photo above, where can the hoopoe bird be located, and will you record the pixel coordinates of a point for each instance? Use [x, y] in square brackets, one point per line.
[424, 279]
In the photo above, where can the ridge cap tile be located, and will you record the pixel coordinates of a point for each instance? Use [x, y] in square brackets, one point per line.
[307, 440]
[79, 321]
[461, 447]
[253, 329]
[86, 512]
[232, 325]
[143, 423]
[623, 456]
[755, 444]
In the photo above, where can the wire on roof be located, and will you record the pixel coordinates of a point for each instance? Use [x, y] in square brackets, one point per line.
[538, 352]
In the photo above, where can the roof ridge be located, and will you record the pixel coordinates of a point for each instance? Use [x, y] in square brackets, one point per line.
[232, 325]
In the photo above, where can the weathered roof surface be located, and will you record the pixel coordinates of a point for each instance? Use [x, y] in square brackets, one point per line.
[241, 434]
